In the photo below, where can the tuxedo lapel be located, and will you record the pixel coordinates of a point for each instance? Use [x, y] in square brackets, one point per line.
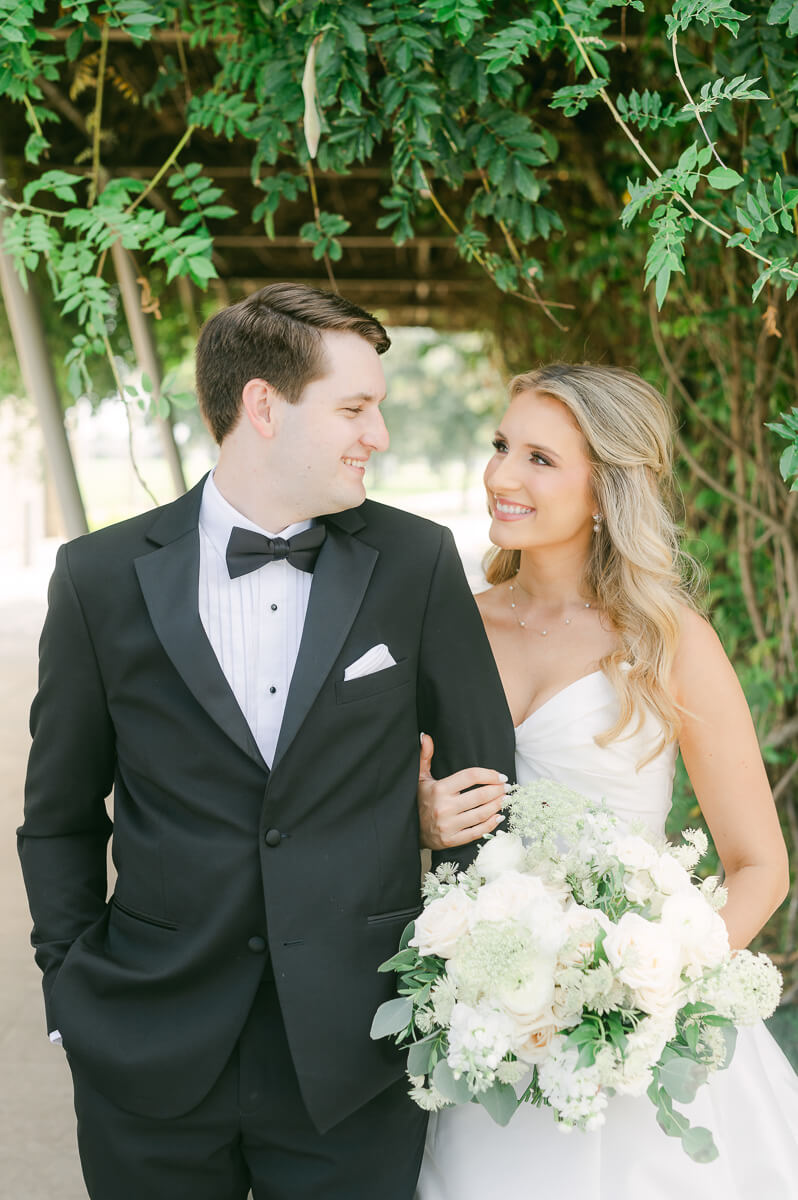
[169, 580]
[342, 573]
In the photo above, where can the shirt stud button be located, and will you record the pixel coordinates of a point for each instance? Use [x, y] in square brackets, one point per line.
[272, 690]
[274, 608]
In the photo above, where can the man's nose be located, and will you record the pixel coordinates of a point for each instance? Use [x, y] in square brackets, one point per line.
[376, 436]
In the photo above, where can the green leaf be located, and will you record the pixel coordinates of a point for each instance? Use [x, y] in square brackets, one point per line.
[407, 933]
[499, 1101]
[418, 1057]
[724, 177]
[670, 1122]
[400, 961]
[456, 1091]
[699, 1144]
[392, 1017]
[681, 1078]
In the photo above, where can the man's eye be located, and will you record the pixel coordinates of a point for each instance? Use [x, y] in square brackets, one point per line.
[356, 411]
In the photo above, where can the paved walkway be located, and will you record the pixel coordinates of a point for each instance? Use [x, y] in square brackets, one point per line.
[38, 1156]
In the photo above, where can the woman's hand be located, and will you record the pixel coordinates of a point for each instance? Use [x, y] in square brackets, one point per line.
[450, 816]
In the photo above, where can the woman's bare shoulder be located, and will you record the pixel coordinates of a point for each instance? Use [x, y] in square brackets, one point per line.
[700, 662]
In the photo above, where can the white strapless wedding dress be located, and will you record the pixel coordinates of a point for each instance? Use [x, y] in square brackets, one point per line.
[751, 1108]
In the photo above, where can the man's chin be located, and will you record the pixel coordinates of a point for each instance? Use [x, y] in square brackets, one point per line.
[352, 498]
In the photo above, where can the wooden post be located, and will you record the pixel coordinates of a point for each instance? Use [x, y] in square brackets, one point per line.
[147, 357]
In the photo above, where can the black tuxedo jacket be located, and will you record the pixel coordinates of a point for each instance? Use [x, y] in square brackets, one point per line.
[222, 863]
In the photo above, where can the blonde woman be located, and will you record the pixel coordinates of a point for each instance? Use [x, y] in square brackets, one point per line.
[609, 671]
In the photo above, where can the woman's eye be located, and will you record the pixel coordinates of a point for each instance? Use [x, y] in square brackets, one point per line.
[499, 446]
[539, 458]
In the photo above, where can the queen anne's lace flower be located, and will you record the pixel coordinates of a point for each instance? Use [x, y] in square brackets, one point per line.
[745, 989]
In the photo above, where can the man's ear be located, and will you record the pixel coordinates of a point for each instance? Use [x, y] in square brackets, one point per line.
[259, 401]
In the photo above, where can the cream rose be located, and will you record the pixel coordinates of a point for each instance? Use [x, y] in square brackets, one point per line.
[647, 960]
[509, 897]
[701, 931]
[442, 923]
[529, 1007]
[635, 853]
[669, 876]
[503, 852]
[535, 1047]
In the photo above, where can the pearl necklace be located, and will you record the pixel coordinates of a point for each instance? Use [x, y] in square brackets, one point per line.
[540, 632]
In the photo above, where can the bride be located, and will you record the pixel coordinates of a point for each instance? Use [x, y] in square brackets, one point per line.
[609, 670]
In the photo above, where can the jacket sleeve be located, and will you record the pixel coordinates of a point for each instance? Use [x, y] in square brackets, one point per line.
[62, 841]
[461, 699]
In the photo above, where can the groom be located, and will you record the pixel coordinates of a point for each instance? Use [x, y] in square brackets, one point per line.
[249, 668]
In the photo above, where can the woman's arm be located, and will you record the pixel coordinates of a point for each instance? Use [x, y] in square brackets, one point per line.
[720, 751]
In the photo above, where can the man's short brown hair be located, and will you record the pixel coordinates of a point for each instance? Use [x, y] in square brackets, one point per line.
[274, 334]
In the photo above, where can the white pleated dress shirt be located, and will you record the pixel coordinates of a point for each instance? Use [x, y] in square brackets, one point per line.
[254, 623]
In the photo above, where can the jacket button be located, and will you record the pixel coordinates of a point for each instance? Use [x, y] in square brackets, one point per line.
[257, 945]
[273, 837]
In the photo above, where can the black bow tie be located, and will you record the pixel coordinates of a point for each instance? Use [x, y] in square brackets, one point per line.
[248, 550]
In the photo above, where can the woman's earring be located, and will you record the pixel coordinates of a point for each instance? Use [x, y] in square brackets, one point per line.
[597, 519]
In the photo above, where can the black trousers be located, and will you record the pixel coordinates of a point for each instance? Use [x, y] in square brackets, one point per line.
[251, 1131]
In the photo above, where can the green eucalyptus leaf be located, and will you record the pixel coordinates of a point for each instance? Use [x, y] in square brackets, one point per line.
[392, 1017]
[699, 1144]
[681, 1078]
[456, 1091]
[499, 1101]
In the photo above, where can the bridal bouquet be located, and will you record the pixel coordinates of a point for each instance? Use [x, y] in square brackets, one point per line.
[573, 960]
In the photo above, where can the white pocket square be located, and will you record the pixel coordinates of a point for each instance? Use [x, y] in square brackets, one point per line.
[375, 659]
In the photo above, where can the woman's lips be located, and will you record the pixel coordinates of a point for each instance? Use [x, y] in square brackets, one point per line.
[508, 510]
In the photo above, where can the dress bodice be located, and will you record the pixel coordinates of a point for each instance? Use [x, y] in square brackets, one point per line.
[556, 742]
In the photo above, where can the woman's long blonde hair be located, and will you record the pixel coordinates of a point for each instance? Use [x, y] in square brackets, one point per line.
[636, 570]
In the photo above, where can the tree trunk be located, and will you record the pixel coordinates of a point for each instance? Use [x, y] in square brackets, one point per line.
[147, 357]
[27, 331]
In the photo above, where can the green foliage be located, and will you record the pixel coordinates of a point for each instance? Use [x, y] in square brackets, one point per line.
[787, 428]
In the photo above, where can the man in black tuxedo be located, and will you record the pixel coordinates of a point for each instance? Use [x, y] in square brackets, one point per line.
[249, 668]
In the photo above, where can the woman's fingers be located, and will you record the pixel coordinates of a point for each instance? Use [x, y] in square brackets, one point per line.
[479, 831]
[425, 761]
[471, 777]
[451, 818]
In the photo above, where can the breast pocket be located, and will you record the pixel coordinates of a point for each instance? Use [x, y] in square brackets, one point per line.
[375, 684]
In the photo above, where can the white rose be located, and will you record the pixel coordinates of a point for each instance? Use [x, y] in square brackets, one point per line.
[669, 876]
[647, 960]
[509, 897]
[503, 852]
[635, 853]
[693, 922]
[442, 923]
[529, 1007]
